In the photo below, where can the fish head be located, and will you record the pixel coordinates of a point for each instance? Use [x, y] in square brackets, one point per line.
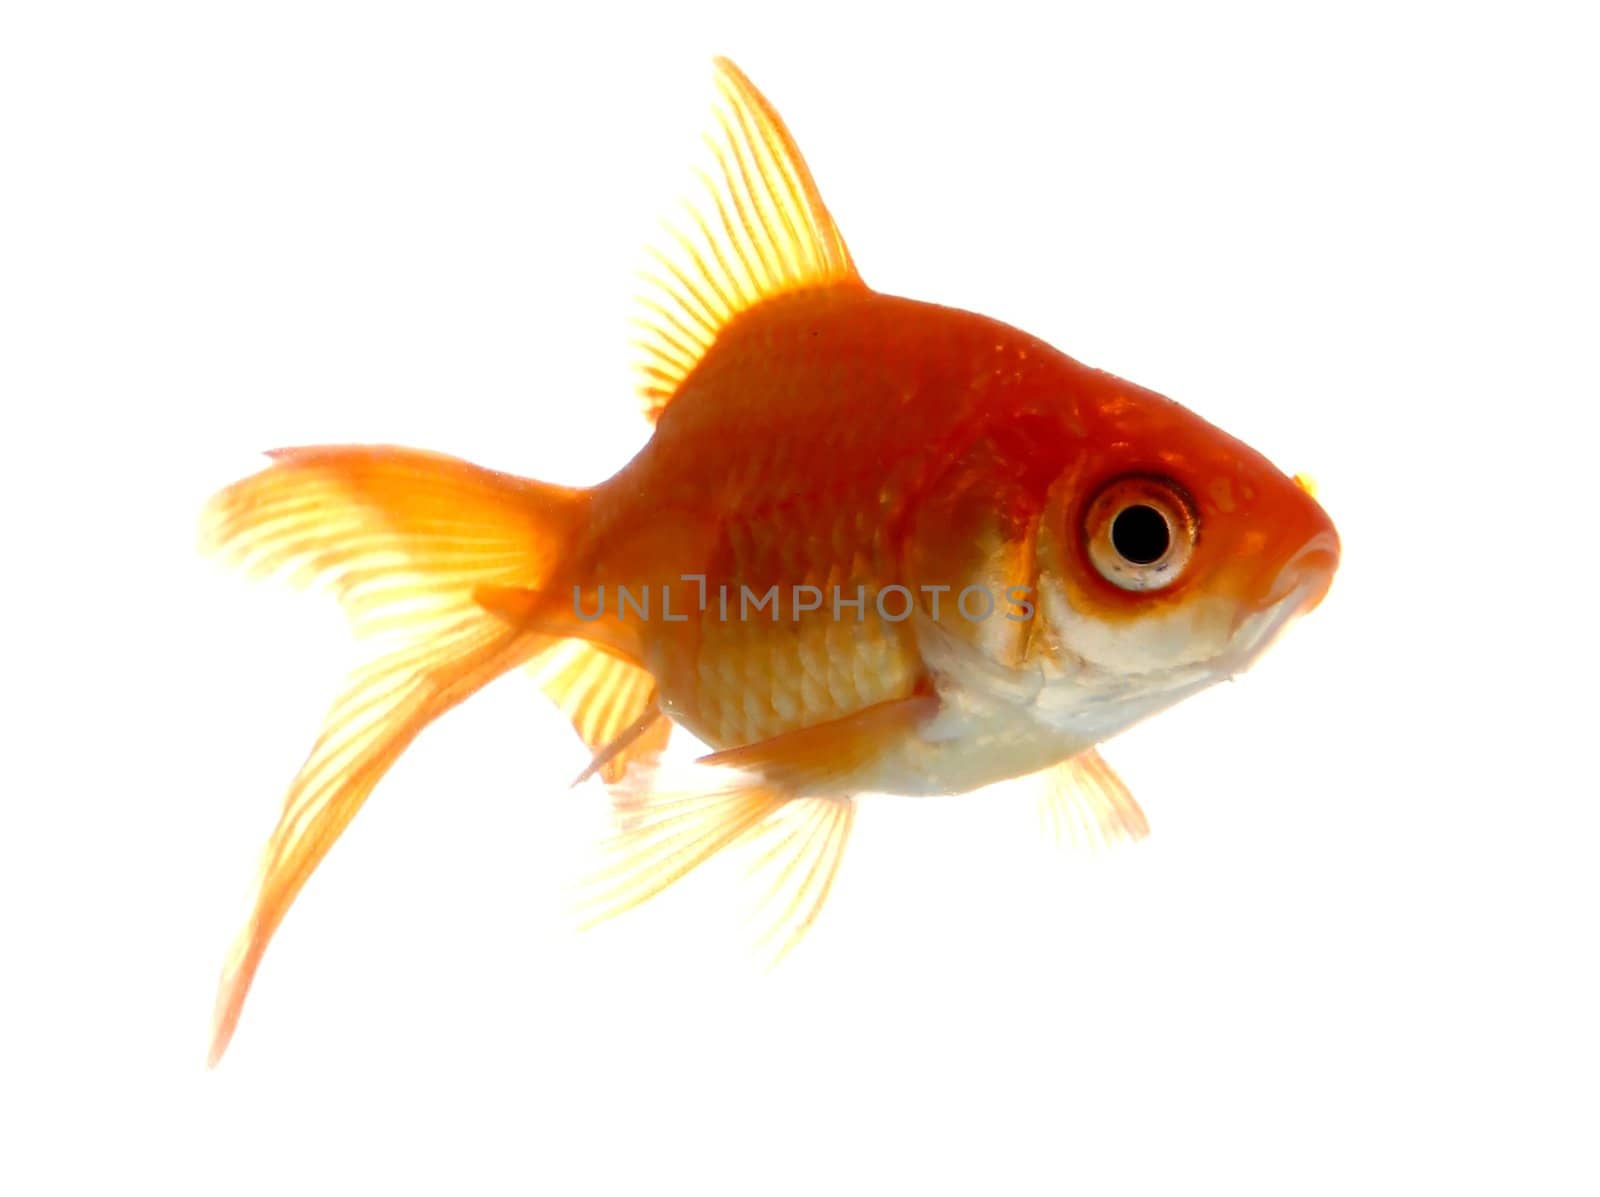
[1100, 553]
[1169, 556]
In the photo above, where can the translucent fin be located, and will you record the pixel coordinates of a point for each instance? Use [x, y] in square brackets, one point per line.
[759, 229]
[390, 531]
[800, 850]
[788, 798]
[605, 697]
[554, 615]
[1084, 802]
[401, 537]
[791, 848]
[645, 739]
[666, 833]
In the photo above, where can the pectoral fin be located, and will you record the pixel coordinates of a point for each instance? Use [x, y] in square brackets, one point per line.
[822, 758]
[1083, 801]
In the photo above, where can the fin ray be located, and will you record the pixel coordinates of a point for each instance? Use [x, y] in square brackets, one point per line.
[1085, 802]
[664, 836]
[401, 538]
[758, 229]
[787, 799]
[791, 848]
[811, 835]
[607, 699]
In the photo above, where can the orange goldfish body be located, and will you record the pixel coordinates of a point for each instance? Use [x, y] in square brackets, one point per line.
[944, 554]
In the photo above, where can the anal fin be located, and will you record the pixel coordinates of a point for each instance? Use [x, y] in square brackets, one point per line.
[611, 702]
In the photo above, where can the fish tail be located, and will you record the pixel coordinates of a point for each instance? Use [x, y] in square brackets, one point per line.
[403, 538]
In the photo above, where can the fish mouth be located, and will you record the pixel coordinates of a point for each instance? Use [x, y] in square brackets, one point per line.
[1310, 570]
[1299, 587]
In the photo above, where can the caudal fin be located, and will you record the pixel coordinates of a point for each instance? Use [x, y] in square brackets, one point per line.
[402, 538]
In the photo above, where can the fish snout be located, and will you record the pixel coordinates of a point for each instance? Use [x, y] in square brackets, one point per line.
[1299, 585]
[1309, 572]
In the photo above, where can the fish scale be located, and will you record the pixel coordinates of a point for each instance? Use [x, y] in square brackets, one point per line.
[797, 672]
[819, 504]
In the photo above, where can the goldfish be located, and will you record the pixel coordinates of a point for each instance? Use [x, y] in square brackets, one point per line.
[873, 545]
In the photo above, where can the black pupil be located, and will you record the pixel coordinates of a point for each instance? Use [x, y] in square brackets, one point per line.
[1140, 534]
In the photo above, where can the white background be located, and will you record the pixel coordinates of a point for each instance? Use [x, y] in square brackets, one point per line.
[1357, 953]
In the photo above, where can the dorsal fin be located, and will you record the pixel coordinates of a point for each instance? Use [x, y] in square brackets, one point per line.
[758, 229]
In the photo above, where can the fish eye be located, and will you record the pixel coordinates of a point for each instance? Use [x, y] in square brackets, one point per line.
[1140, 532]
